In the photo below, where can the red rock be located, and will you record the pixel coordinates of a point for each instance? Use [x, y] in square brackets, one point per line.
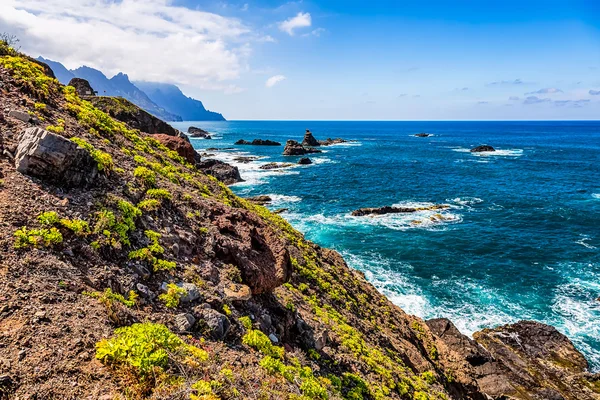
[181, 146]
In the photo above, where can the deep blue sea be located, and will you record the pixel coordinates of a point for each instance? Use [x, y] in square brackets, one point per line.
[521, 239]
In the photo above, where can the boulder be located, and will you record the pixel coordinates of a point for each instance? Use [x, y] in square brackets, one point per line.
[181, 146]
[184, 322]
[237, 292]
[261, 200]
[304, 161]
[54, 158]
[258, 142]
[396, 210]
[216, 324]
[483, 148]
[20, 115]
[293, 148]
[228, 174]
[330, 141]
[82, 87]
[309, 140]
[198, 133]
[275, 165]
[192, 292]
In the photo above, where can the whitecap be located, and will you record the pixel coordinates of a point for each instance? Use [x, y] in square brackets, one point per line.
[596, 195]
[466, 201]
[498, 152]
[583, 242]
[277, 199]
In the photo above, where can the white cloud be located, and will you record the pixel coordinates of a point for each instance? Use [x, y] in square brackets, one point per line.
[150, 40]
[302, 20]
[274, 80]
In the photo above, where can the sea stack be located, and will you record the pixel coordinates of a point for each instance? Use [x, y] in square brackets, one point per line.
[309, 140]
[483, 148]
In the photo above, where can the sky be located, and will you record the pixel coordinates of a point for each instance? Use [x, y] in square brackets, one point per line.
[336, 60]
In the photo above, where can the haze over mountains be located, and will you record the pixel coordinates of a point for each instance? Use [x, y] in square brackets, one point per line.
[166, 101]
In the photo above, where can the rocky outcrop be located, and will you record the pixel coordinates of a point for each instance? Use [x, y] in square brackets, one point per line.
[275, 165]
[228, 174]
[293, 148]
[526, 360]
[422, 134]
[483, 148]
[261, 200]
[54, 158]
[309, 140]
[304, 161]
[198, 133]
[330, 141]
[181, 146]
[257, 142]
[82, 87]
[259, 253]
[396, 210]
[245, 159]
[127, 112]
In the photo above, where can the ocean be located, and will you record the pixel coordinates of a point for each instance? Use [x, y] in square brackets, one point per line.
[521, 239]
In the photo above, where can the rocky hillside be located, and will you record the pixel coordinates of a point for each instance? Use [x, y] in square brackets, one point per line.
[127, 273]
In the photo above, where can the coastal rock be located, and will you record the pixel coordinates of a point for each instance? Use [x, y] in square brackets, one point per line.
[181, 146]
[467, 348]
[275, 165]
[309, 140]
[198, 133]
[258, 142]
[261, 200]
[127, 112]
[82, 87]
[483, 148]
[422, 134]
[245, 160]
[330, 141]
[293, 148]
[304, 161]
[396, 210]
[54, 158]
[228, 174]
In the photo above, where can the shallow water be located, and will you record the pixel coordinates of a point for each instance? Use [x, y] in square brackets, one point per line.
[521, 239]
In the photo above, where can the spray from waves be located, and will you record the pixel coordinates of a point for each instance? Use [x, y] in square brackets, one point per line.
[279, 199]
[346, 144]
[498, 152]
[583, 241]
[465, 201]
[596, 196]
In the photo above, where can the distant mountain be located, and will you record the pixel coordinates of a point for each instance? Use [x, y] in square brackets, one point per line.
[163, 100]
[172, 99]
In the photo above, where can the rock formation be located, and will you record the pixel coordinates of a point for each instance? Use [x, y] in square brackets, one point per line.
[275, 165]
[483, 148]
[293, 148]
[181, 146]
[330, 141]
[422, 134]
[262, 199]
[309, 140]
[258, 142]
[396, 210]
[304, 161]
[198, 133]
[228, 174]
[83, 87]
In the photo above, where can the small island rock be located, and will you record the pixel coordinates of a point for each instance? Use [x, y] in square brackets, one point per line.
[304, 161]
[198, 133]
[483, 148]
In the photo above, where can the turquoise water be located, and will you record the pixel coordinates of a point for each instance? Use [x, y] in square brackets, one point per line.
[520, 241]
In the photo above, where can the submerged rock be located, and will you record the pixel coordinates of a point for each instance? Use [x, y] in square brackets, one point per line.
[330, 141]
[245, 160]
[309, 140]
[54, 158]
[293, 148]
[275, 165]
[396, 210]
[228, 174]
[258, 142]
[261, 200]
[198, 133]
[422, 134]
[483, 148]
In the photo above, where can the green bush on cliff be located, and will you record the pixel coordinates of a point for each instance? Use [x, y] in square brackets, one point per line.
[173, 295]
[108, 297]
[49, 218]
[261, 342]
[146, 176]
[159, 194]
[25, 238]
[104, 160]
[30, 75]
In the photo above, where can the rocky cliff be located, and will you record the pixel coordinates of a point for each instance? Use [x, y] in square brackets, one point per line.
[127, 273]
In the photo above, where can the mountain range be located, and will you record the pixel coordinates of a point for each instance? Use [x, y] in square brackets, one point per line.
[164, 100]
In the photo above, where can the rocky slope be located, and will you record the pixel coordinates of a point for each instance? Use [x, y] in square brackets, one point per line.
[127, 273]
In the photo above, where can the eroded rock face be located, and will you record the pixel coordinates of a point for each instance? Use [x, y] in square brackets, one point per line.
[526, 360]
[54, 158]
[480, 149]
[228, 174]
[181, 146]
[259, 253]
[293, 148]
[309, 140]
[83, 87]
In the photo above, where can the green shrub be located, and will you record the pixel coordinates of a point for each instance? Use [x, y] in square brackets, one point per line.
[261, 342]
[246, 322]
[149, 204]
[173, 295]
[55, 128]
[39, 106]
[146, 176]
[31, 238]
[49, 218]
[104, 160]
[77, 226]
[161, 194]
[145, 347]
[164, 265]
[108, 296]
[30, 75]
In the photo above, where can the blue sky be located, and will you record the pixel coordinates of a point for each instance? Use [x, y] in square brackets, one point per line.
[344, 60]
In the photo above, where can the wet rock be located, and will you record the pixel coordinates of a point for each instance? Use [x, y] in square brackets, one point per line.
[261, 200]
[330, 141]
[82, 87]
[304, 161]
[20, 115]
[280, 210]
[422, 134]
[275, 165]
[258, 142]
[396, 210]
[237, 292]
[198, 133]
[293, 148]
[309, 140]
[216, 324]
[245, 160]
[184, 322]
[467, 348]
[483, 148]
[228, 174]
[180, 145]
[54, 158]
